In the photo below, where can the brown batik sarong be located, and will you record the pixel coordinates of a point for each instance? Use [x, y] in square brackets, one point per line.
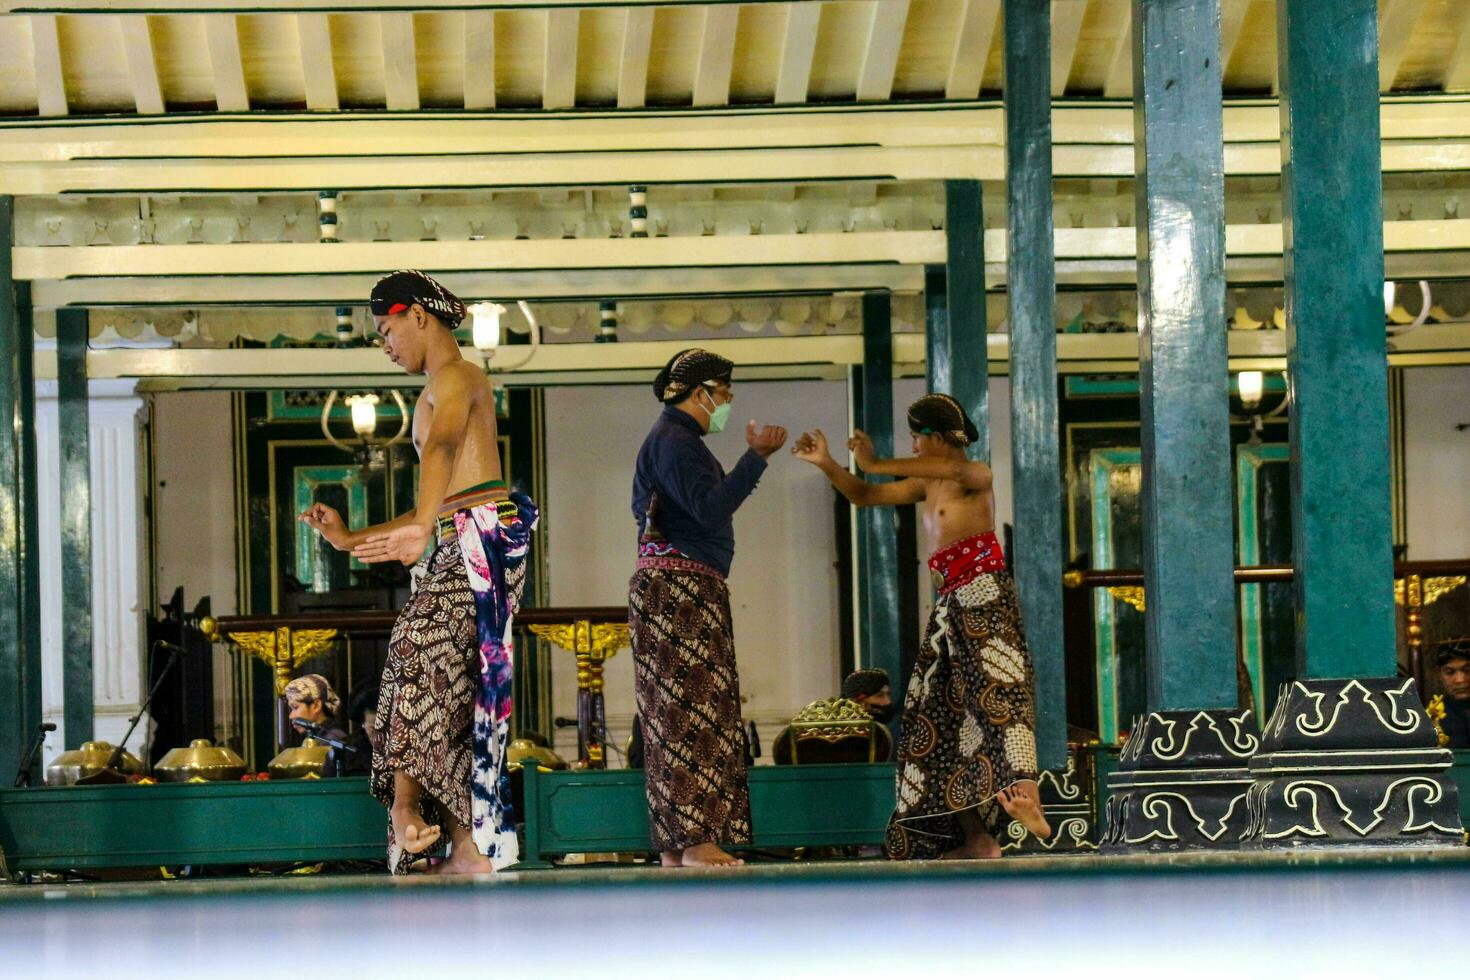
[969, 713]
[426, 704]
[689, 703]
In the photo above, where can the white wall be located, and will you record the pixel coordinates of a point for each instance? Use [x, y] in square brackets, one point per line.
[783, 584]
[194, 534]
[1437, 462]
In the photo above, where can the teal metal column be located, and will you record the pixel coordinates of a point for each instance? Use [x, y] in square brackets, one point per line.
[76, 522]
[1036, 465]
[936, 329]
[20, 647]
[1342, 536]
[1188, 528]
[958, 362]
[878, 620]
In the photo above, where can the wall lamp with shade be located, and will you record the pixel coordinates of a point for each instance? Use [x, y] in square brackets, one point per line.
[486, 333]
[1390, 302]
[369, 451]
[1250, 387]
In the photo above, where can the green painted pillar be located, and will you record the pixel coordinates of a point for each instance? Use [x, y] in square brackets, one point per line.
[936, 328]
[1188, 529]
[878, 619]
[76, 522]
[958, 362]
[20, 623]
[1036, 465]
[1332, 208]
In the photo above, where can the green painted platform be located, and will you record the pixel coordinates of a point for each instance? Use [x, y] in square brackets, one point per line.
[568, 812]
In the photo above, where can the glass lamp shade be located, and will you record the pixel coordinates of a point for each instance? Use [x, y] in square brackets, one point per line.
[364, 414]
[1251, 385]
[485, 325]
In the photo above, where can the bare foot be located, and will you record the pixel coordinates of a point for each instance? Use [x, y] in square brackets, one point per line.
[671, 859]
[410, 831]
[1020, 802]
[708, 856]
[465, 861]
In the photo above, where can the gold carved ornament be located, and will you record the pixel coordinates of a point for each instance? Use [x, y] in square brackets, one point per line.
[284, 649]
[1435, 710]
[592, 643]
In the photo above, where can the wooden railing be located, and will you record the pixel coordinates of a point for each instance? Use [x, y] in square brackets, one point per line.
[1417, 584]
[591, 633]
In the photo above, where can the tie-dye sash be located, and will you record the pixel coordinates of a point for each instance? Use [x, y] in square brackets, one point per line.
[495, 543]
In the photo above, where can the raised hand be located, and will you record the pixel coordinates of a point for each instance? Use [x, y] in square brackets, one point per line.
[405, 544]
[327, 522]
[812, 447]
[765, 439]
[862, 448]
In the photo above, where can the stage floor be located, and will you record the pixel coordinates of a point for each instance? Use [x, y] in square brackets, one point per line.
[1368, 912]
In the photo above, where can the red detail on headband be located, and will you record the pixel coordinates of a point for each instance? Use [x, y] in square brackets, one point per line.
[397, 308]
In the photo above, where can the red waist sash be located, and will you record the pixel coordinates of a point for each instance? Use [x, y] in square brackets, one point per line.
[962, 561]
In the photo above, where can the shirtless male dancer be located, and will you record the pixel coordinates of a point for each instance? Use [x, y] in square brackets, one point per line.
[968, 737]
[443, 713]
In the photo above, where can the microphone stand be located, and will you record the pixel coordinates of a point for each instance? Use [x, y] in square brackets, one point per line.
[113, 772]
[313, 730]
[23, 774]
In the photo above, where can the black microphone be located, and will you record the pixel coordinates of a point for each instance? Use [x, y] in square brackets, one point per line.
[317, 731]
[48, 726]
[166, 645]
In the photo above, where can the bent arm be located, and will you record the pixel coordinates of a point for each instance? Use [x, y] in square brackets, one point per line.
[354, 538]
[971, 475]
[710, 502]
[861, 493]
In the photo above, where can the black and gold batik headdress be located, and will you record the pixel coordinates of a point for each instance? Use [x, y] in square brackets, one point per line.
[942, 415]
[687, 370]
[397, 292]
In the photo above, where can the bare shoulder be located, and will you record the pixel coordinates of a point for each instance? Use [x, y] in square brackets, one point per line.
[458, 380]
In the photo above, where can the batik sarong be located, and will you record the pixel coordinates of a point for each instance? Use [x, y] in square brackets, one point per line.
[444, 708]
[969, 712]
[689, 703]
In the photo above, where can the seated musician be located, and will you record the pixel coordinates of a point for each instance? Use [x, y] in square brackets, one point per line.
[1453, 657]
[311, 699]
[869, 687]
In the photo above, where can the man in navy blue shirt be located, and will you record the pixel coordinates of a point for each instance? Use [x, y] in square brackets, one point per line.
[679, 611]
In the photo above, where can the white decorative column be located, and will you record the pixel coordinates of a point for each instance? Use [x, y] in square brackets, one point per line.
[117, 559]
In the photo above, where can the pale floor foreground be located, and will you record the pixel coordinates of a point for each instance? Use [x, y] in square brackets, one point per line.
[1082, 916]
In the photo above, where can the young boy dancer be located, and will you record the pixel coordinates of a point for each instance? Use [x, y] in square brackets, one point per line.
[967, 751]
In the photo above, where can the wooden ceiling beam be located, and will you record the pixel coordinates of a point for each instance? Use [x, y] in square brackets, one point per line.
[1066, 34]
[798, 48]
[1119, 83]
[137, 46]
[559, 68]
[400, 61]
[633, 64]
[1457, 73]
[979, 21]
[880, 58]
[716, 55]
[479, 59]
[50, 80]
[1232, 23]
[222, 36]
[1395, 29]
[314, 37]
[316, 6]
